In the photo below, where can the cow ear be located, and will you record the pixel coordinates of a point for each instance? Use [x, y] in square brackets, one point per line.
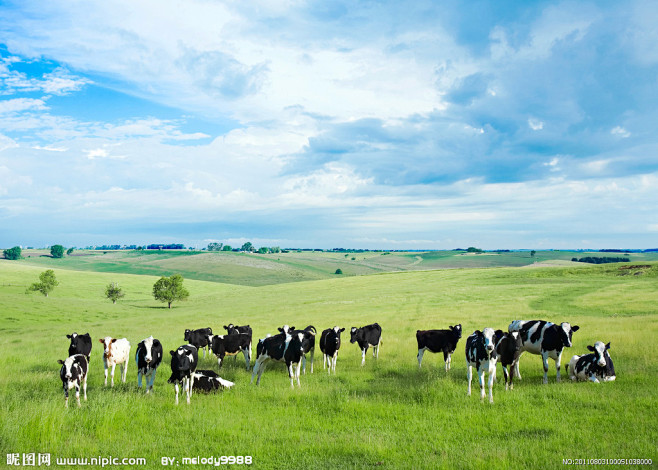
[575, 328]
[591, 348]
[477, 332]
[280, 329]
[341, 330]
[59, 361]
[292, 328]
[607, 346]
[498, 334]
[172, 353]
[114, 339]
[102, 340]
[68, 336]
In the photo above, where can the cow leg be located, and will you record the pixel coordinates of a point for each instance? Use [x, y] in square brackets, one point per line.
[176, 388]
[124, 371]
[112, 373]
[518, 370]
[469, 377]
[481, 380]
[333, 362]
[77, 392]
[247, 359]
[492, 377]
[139, 379]
[324, 361]
[219, 361]
[297, 374]
[593, 378]
[84, 387]
[66, 395]
[291, 374]
[105, 367]
[446, 360]
[506, 375]
[558, 361]
[420, 356]
[544, 357]
[303, 361]
[363, 356]
[190, 382]
[312, 356]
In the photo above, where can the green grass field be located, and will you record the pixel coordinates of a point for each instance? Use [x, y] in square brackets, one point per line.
[387, 414]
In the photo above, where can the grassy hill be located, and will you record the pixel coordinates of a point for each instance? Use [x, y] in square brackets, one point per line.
[387, 414]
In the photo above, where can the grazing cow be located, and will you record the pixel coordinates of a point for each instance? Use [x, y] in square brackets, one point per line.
[309, 345]
[148, 358]
[200, 338]
[596, 367]
[366, 336]
[80, 344]
[286, 347]
[546, 339]
[117, 351]
[183, 364]
[74, 374]
[508, 348]
[209, 381]
[232, 329]
[329, 345]
[481, 354]
[438, 340]
[231, 345]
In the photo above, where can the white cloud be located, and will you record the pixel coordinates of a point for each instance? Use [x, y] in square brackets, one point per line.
[620, 132]
[535, 124]
[18, 105]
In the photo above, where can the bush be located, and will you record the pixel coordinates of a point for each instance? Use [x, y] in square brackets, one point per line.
[57, 251]
[339, 271]
[602, 260]
[13, 253]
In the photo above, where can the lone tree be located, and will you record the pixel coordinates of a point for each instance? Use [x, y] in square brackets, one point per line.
[69, 251]
[170, 289]
[247, 247]
[114, 292]
[47, 282]
[57, 251]
[13, 253]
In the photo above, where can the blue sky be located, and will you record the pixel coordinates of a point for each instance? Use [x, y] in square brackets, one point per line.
[421, 125]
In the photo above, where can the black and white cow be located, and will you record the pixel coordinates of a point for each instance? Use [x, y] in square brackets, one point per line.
[438, 340]
[286, 347]
[366, 336]
[199, 338]
[329, 345]
[481, 354]
[546, 339]
[115, 351]
[183, 364]
[74, 375]
[508, 348]
[308, 344]
[148, 358]
[232, 329]
[596, 367]
[209, 381]
[80, 344]
[231, 345]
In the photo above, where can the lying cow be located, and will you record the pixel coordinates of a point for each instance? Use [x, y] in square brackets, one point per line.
[148, 358]
[508, 348]
[74, 375]
[596, 367]
[481, 354]
[209, 381]
[183, 364]
[200, 338]
[329, 345]
[286, 347]
[367, 336]
[231, 345]
[116, 351]
[80, 344]
[545, 339]
[438, 340]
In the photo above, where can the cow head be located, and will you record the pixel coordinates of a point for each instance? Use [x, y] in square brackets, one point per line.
[353, 334]
[107, 343]
[599, 350]
[181, 360]
[489, 340]
[74, 340]
[70, 370]
[187, 335]
[456, 330]
[297, 342]
[148, 344]
[286, 329]
[567, 332]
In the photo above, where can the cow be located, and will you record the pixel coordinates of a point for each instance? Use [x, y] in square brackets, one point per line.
[232, 329]
[116, 351]
[183, 364]
[329, 345]
[287, 346]
[309, 345]
[74, 375]
[508, 348]
[481, 354]
[546, 339]
[596, 367]
[209, 381]
[366, 336]
[231, 345]
[200, 338]
[438, 340]
[80, 344]
[148, 358]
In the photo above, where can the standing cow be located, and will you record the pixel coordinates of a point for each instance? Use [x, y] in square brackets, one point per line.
[438, 340]
[183, 364]
[116, 351]
[367, 336]
[231, 345]
[286, 347]
[329, 345]
[546, 339]
[200, 339]
[74, 375]
[308, 343]
[148, 358]
[80, 344]
[508, 348]
[481, 354]
[596, 367]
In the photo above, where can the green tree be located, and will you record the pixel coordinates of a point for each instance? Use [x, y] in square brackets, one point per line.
[13, 253]
[215, 246]
[227, 248]
[263, 250]
[57, 251]
[533, 253]
[247, 247]
[47, 282]
[114, 292]
[170, 289]
[69, 251]
[339, 271]
[275, 249]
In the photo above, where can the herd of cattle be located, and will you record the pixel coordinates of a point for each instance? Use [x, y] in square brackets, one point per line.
[484, 349]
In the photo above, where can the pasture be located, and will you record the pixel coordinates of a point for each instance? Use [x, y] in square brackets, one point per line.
[387, 414]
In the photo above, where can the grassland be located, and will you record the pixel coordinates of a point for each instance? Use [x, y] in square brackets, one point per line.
[387, 414]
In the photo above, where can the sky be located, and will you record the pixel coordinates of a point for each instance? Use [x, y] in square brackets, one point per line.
[314, 124]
